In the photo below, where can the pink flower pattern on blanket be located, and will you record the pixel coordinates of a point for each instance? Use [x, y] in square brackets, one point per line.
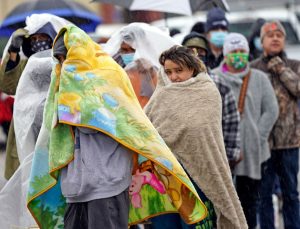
[140, 179]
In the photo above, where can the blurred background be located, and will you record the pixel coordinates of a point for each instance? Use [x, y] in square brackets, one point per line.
[100, 18]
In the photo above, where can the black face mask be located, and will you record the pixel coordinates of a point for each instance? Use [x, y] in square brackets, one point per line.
[38, 46]
[204, 59]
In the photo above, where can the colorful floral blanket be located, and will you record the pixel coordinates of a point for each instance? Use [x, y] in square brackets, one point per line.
[91, 90]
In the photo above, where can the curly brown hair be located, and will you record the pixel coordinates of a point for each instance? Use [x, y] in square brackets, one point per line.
[183, 57]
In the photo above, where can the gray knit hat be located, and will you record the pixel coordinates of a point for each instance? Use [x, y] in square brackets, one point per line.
[235, 41]
[271, 26]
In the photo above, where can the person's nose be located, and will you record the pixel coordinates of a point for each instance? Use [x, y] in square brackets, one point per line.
[173, 76]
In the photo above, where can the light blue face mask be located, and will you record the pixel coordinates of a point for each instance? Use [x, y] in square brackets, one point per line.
[257, 43]
[127, 58]
[218, 37]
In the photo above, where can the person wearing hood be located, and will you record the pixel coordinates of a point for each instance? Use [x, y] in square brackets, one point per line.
[216, 29]
[284, 74]
[258, 109]
[30, 96]
[136, 48]
[142, 74]
[254, 39]
[186, 111]
[100, 201]
[12, 66]
[230, 116]
[92, 126]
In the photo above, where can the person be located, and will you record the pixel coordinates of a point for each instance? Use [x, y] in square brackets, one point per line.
[136, 47]
[140, 40]
[199, 44]
[198, 27]
[284, 75]
[106, 199]
[254, 39]
[216, 29]
[83, 160]
[29, 103]
[230, 115]
[258, 110]
[29, 40]
[186, 110]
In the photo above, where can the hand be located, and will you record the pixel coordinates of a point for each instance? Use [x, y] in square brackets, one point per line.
[276, 65]
[17, 39]
[233, 163]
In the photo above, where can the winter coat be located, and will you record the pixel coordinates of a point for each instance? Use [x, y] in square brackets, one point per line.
[257, 120]
[286, 131]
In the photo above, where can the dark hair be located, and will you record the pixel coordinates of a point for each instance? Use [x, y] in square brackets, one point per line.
[198, 27]
[183, 57]
[174, 31]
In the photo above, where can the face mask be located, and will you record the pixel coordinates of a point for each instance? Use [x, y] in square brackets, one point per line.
[237, 60]
[204, 59]
[37, 46]
[257, 43]
[218, 37]
[127, 58]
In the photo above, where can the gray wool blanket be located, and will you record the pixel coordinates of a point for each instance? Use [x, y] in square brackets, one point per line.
[188, 117]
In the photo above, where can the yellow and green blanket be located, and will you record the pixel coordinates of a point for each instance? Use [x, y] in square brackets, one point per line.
[91, 90]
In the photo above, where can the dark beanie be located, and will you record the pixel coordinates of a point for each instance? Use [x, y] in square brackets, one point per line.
[59, 47]
[198, 27]
[216, 19]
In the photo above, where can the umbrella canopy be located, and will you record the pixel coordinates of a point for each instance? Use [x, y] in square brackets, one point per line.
[185, 7]
[70, 10]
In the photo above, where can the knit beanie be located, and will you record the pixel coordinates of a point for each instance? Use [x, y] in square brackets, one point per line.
[215, 19]
[234, 41]
[271, 26]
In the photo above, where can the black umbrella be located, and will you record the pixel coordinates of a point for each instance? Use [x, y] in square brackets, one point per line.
[194, 5]
[70, 10]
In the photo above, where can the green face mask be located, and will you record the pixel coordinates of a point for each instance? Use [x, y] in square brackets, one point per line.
[237, 60]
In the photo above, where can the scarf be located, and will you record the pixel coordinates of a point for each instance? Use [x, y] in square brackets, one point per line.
[91, 90]
[188, 117]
